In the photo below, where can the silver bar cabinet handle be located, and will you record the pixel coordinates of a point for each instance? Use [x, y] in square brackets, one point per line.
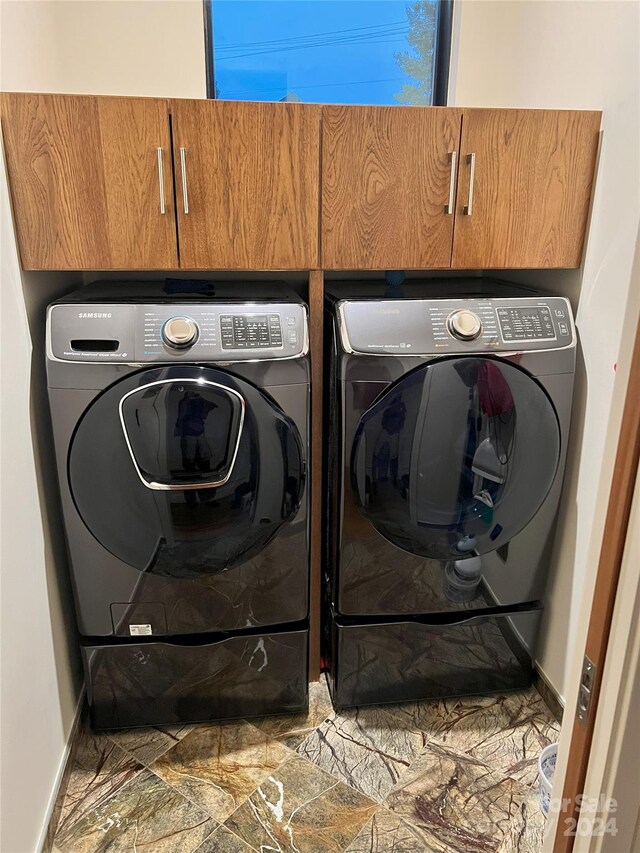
[448, 208]
[161, 180]
[468, 208]
[183, 172]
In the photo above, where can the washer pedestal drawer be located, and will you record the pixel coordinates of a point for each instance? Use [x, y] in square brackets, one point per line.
[186, 681]
[408, 661]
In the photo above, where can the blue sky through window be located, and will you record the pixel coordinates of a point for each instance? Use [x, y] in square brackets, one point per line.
[324, 51]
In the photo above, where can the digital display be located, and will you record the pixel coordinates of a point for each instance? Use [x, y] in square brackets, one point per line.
[250, 331]
[526, 324]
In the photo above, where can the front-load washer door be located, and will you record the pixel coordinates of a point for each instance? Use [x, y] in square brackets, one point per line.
[185, 472]
[456, 457]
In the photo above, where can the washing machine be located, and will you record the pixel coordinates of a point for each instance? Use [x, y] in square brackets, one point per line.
[449, 405]
[180, 416]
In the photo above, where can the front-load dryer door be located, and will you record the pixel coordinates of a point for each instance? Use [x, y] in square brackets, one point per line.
[187, 474]
[456, 457]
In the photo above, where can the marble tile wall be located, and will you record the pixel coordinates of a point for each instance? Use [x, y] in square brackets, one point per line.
[451, 776]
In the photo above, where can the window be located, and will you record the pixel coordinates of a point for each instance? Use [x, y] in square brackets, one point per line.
[329, 51]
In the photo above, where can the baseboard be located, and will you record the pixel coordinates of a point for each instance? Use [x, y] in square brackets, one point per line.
[548, 693]
[60, 787]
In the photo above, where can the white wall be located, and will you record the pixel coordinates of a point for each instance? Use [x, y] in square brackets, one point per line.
[579, 55]
[40, 671]
[39, 668]
[142, 47]
[107, 47]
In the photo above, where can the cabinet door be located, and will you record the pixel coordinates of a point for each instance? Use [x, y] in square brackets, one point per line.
[247, 184]
[524, 200]
[388, 174]
[87, 176]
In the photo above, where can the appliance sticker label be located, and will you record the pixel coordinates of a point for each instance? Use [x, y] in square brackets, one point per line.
[140, 630]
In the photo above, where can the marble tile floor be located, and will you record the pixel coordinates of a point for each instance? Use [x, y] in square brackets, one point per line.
[452, 776]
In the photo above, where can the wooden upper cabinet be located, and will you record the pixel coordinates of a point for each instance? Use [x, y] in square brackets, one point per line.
[530, 188]
[387, 177]
[87, 176]
[95, 185]
[247, 184]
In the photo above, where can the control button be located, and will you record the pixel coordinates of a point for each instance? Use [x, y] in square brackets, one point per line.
[180, 332]
[559, 312]
[291, 321]
[464, 324]
[293, 337]
[564, 329]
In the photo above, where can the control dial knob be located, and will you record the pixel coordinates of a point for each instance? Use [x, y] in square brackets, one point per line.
[464, 324]
[180, 332]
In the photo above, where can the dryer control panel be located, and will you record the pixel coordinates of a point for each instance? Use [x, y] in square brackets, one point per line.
[431, 326]
[174, 332]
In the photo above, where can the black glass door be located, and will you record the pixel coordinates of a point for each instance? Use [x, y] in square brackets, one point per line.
[456, 457]
[185, 471]
[183, 433]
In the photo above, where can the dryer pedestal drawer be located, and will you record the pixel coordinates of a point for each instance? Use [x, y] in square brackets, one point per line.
[408, 661]
[164, 683]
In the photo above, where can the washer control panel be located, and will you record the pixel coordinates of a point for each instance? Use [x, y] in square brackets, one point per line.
[166, 333]
[250, 331]
[526, 324]
[430, 326]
